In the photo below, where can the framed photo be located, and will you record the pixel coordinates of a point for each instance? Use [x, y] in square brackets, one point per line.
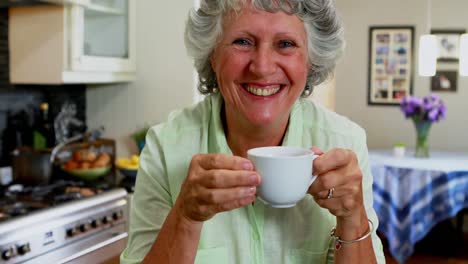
[390, 64]
[444, 81]
[448, 44]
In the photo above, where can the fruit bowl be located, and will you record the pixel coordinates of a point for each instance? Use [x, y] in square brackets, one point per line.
[88, 174]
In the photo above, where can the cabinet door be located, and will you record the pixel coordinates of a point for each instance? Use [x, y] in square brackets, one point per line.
[103, 36]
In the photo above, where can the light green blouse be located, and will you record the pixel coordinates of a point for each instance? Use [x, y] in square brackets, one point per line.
[255, 233]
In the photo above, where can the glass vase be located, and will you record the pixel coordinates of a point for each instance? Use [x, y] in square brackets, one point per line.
[422, 131]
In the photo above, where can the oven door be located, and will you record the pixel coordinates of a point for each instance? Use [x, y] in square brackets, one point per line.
[100, 253]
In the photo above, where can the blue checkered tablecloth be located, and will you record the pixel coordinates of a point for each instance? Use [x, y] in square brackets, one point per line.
[412, 195]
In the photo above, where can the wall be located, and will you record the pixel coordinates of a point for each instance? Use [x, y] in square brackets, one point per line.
[385, 125]
[164, 76]
[324, 94]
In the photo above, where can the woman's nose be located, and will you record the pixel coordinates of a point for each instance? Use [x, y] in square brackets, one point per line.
[263, 62]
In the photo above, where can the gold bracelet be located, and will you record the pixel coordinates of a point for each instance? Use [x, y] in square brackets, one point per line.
[339, 242]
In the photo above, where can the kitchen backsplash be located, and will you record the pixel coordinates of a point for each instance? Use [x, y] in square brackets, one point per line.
[15, 98]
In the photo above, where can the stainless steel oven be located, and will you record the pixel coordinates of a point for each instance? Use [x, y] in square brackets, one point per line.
[88, 230]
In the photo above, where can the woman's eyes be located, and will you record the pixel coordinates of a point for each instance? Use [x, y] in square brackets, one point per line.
[242, 42]
[286, 44]
[282, 44]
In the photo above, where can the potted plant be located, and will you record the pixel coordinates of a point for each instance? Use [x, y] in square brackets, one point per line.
[139, 137]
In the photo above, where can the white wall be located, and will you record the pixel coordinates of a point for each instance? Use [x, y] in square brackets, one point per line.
[164, 76]
[385, 125]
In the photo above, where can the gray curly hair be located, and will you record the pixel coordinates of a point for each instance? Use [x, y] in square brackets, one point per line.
[322, 24]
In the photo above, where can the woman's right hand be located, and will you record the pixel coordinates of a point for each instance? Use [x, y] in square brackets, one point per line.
[216, 183]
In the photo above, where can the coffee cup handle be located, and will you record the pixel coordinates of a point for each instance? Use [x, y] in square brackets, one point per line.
[312, 179]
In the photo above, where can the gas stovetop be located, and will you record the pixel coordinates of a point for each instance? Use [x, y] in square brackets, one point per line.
[18, 200]
[54, 223]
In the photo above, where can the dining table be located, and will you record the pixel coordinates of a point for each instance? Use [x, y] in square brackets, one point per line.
[412, 195]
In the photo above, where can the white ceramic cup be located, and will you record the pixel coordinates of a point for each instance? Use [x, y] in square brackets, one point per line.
[286, 174]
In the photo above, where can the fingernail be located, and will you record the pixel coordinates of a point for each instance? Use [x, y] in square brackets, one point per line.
[253, 178]
[247, 165]
[248, 190]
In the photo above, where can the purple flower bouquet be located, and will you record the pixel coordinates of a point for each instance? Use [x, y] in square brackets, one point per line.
[423, 112]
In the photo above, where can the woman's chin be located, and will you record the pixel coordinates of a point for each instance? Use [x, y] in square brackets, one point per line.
[263, 119]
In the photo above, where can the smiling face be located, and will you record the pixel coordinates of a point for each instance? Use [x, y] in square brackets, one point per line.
[261, 66]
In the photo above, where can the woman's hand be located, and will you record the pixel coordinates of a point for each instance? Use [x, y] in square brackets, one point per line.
[216, 183]
[338, 188]
[338, 171]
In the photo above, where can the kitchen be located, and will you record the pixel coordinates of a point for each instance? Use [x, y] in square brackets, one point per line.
[164, 81]
[53, 157]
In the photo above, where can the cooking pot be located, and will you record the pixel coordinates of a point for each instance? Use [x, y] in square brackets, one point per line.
[33, 167]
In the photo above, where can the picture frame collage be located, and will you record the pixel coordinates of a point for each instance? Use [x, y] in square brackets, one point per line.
[446, 78]
[390, 64]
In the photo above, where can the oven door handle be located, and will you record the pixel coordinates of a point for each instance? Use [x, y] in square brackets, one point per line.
[95, 247]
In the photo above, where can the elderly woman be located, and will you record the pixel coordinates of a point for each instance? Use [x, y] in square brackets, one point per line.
[195, 197]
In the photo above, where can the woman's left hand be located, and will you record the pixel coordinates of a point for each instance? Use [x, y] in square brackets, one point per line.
[338, 186]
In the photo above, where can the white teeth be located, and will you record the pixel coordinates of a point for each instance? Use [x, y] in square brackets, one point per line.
[263, 92]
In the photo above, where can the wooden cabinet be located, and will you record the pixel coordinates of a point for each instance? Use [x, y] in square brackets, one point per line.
[75, 42]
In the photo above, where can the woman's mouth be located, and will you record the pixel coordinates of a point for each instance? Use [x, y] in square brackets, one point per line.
[262, 90]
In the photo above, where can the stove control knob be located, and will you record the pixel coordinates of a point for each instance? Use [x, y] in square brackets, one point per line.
[71, 232]
[95, 223]
[117, 215]
[23, 249]
[84, 227]
[106, 219]
[7, 254]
